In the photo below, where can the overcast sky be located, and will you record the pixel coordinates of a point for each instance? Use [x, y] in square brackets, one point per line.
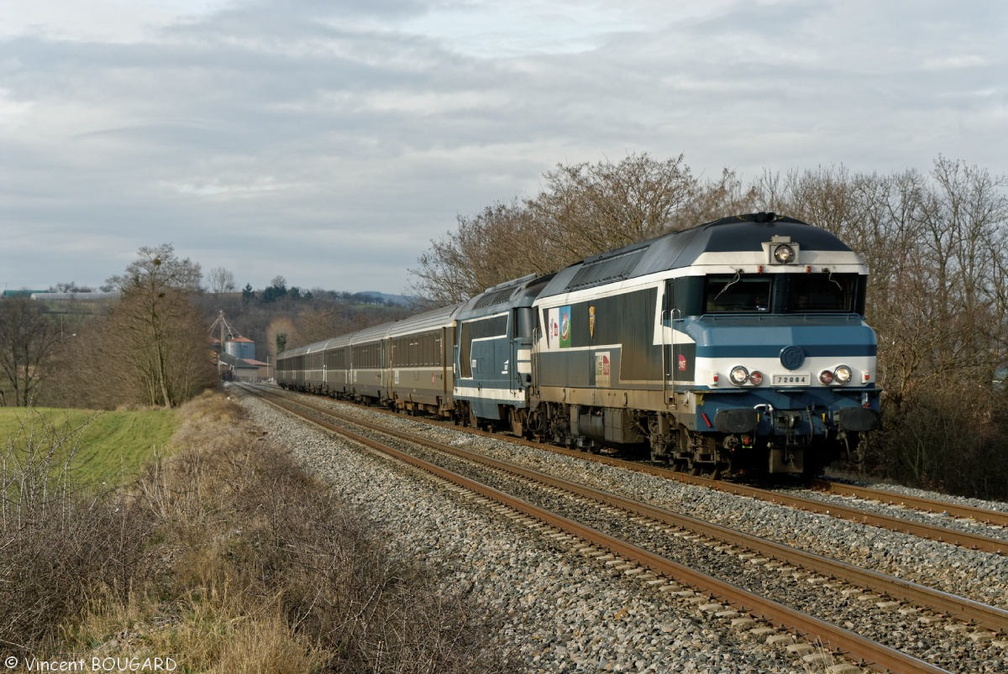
[329, 141]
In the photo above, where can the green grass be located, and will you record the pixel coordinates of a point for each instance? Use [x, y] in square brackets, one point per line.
[111, 447]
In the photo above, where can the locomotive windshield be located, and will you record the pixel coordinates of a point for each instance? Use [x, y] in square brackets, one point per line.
[821, 292]
[737, 294]
[782, 293]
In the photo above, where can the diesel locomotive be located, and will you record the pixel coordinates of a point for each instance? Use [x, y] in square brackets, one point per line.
[739, 345]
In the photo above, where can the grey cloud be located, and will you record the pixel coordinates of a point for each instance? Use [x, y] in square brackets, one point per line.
[246, 131]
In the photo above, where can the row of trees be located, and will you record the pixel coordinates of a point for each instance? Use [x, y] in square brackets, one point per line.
[584, 209]
[936, 245]
[148, 345]
[149, 349]
[27, 337]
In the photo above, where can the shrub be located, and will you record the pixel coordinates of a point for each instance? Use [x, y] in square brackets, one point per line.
[58, 538]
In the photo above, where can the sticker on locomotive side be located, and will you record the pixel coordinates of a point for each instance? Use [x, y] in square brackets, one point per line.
[603, 365]
[565, 327]
[791, 379]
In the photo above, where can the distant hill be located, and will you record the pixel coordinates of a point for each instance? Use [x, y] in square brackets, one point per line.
[375, 297]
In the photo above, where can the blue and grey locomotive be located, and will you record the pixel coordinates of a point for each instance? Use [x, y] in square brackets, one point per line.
[493, 364]
[736, 345]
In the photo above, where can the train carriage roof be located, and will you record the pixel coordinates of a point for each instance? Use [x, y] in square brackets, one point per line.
[335, 342]
[315, 347]
[676, 250]
[294, 351]
[372, 334]
[428, 320]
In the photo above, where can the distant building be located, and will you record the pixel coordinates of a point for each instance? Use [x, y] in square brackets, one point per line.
[236, 359]
[83, 296]
[240, 347]
[18, 293]
[240, 369]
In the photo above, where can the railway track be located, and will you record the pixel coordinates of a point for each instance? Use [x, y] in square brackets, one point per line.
[891, 521]
[776, 559]
[932, 531]
[994, 518]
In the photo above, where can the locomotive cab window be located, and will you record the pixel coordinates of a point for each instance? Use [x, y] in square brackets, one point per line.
[818, 293]
[737, 294]
[783, 293]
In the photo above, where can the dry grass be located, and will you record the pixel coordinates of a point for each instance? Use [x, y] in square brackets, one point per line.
[56, 535]
[213, 630]
[228, 557]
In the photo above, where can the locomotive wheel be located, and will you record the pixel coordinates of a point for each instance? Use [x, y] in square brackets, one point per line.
[688, 452]
[684, 449]
[657, 442]
[535, 425]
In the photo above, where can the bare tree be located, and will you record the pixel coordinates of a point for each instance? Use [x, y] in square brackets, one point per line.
[70, 287]
[715, 199]
[585, 209]
[27, 338]
[967, 237]
[159, 332]
[496, 245]
[590, 209]
[157, 268]
[220, 281]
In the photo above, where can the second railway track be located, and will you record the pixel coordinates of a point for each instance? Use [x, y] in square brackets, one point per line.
[767, 568]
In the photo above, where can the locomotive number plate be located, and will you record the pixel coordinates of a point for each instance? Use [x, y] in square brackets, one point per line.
[791, 380]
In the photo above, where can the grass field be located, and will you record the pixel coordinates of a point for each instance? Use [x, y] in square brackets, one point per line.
[228, 556]
[108, 447]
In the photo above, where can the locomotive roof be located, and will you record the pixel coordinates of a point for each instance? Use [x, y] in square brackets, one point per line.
[503, 296]
[675, 250]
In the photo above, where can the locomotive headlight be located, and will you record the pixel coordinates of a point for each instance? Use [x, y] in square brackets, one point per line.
[838, 376]
[738, 375]
[784, 254]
